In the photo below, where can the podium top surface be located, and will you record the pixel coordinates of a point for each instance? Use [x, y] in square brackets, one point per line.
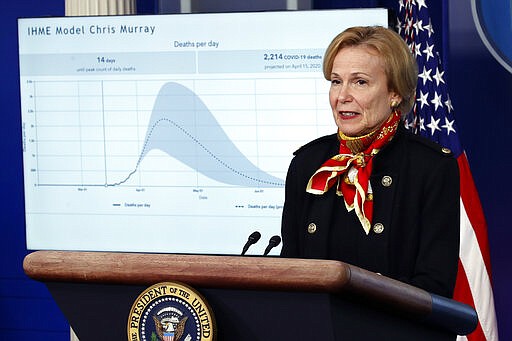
[198, 270]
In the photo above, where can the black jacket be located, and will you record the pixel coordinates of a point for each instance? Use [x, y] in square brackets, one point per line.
[416, 195]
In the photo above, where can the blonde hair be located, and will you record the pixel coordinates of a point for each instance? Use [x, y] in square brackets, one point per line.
[399, 64]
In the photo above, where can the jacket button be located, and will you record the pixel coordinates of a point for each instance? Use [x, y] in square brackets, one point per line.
[311, 228]
[378, 228]
[386, 181]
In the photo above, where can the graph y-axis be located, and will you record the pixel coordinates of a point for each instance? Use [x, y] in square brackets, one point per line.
[35, 127]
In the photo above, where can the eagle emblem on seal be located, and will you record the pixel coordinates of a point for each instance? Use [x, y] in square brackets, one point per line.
[170, 328]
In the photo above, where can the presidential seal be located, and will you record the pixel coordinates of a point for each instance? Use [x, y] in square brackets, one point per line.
[171, 311]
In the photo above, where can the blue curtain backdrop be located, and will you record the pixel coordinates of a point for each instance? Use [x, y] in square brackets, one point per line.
[480, 91]
[27, 310]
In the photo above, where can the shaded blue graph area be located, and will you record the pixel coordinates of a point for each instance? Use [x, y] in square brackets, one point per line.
[183, 127]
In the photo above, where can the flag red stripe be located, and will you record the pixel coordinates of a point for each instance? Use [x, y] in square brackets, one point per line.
[463, 294]
[469, 195]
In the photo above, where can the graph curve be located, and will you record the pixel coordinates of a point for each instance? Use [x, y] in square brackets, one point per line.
[184, 128]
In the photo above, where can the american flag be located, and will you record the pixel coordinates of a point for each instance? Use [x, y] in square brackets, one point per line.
[432, 116]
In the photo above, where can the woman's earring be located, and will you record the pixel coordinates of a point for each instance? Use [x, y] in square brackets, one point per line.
[394, 104]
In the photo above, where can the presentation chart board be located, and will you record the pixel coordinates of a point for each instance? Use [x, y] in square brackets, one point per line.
[169, 133]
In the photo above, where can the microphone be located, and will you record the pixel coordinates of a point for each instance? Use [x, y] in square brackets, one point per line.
[272, 243]
[253, 239]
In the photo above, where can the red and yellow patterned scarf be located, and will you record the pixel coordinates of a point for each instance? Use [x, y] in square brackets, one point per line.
[351, 170]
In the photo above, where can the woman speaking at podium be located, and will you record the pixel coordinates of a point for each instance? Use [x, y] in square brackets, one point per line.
[374, 195]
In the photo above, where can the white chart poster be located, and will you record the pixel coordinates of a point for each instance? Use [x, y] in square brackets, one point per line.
[169, 133]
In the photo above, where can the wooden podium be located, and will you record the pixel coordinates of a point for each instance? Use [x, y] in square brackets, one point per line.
[252, 298]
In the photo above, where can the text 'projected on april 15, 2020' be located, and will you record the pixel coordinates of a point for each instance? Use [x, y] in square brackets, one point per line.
[169, 139]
